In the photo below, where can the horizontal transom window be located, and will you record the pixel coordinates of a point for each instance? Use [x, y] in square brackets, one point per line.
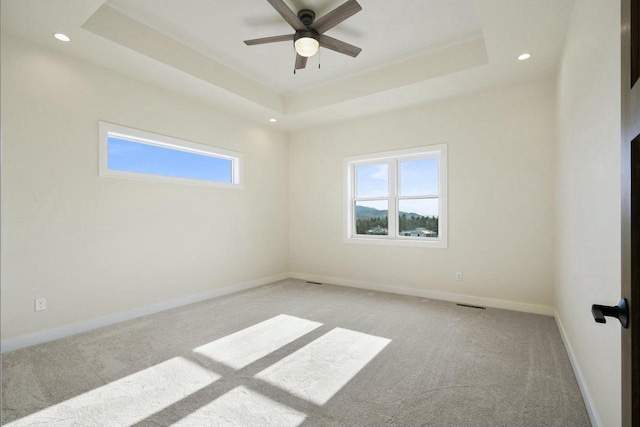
[397, 197]
[136, 154]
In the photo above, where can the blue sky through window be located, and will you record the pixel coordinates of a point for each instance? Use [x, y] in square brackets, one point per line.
[129, 156]
[373, 180]
[419, 177]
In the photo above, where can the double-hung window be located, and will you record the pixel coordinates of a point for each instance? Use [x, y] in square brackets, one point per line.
[136, 154]
[398, 197]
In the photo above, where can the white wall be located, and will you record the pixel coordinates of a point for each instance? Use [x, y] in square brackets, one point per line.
[501, 176]
[588, 199]
[96, 246]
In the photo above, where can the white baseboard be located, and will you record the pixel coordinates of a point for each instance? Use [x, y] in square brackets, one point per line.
[586, 396]
[87, 325]
[445, 296]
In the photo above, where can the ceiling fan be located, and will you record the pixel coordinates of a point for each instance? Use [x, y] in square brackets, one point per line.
[309, 35]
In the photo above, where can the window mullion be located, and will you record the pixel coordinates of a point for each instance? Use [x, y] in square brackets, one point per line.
[417, 197]
[354, 194]
[369, 199]
[393, 198]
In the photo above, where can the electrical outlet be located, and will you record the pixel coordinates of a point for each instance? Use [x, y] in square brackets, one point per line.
[459, 276]
[41, 304]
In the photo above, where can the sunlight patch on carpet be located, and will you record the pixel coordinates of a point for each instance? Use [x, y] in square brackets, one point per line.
[243, 407]
[128, 400]
[320, 369]
[255, 342]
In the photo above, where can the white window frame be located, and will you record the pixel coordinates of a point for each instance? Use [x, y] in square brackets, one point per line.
[392, 159]
[107, 130]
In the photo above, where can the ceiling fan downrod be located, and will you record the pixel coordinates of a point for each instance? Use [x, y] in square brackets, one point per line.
[307, 16]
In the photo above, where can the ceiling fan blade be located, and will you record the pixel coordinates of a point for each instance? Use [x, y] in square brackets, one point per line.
[301, 62]
[273, 39]
[336, 16]
[287, 14]
[339, 46]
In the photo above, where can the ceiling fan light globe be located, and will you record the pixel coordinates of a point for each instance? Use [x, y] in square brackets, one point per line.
[306, 46]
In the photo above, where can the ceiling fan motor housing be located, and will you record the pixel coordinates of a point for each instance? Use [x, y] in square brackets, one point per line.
[305, 33]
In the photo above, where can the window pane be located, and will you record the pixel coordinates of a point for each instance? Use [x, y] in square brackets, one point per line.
[419, 177]
[372, 180]
[136, 157]
[372, 217]
[418, 217]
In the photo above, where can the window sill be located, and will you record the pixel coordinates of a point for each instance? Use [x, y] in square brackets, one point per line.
[168, 179]
[435, 244]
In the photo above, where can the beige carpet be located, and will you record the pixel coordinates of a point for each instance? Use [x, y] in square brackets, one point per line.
[293, 353]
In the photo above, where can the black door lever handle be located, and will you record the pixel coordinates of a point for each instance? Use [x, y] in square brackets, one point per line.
[620, 312]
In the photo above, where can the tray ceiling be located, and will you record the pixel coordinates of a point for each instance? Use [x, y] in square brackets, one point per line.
[414, 51]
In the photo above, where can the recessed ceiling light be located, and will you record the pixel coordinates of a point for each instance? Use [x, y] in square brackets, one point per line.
[524, 56]
[62, 37]
[272, 120]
